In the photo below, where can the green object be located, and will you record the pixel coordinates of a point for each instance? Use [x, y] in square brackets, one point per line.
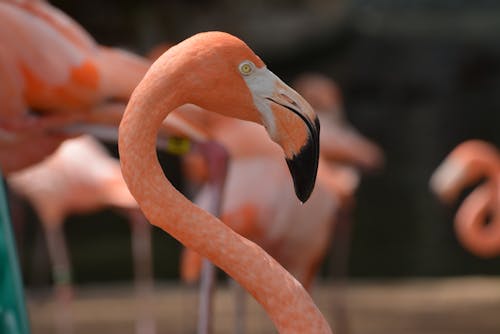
[13, 316]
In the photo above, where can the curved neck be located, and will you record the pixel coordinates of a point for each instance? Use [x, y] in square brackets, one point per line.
[285, 300]
[471, 222]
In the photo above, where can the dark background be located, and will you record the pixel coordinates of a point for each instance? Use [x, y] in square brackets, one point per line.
[417, 79]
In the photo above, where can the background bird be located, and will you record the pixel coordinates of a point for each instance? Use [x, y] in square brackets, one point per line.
[476, 221]
[59, 82]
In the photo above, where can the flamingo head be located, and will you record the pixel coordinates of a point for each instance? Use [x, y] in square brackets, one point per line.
[466, 164]
[222, 74]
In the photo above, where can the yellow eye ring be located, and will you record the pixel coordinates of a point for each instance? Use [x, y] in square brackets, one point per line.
[246, 67]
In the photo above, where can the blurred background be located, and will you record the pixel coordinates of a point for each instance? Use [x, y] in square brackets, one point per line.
[417, 78]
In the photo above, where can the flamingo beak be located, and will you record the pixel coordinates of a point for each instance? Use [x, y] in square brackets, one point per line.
[303, 168]
[302, 159]
[290, 122]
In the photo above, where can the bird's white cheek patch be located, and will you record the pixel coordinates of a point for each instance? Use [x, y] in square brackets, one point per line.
[262, 84]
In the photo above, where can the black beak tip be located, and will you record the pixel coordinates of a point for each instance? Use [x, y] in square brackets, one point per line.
[303, 168]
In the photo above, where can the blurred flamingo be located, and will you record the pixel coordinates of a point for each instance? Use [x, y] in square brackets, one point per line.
[476, 221]
[218, 72]
[252, 212]
[341, 143]
[81, 177]
[57, 81]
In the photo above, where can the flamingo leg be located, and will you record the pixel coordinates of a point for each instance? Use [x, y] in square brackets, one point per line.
[143, 272]
[341, 246]
[205, 306]
[239, 308]
[61, 273]
[217, 160]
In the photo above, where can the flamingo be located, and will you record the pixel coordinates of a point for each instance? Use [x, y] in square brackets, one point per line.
[466, 165]
[218, 72]
[58, 82]
[81, 177]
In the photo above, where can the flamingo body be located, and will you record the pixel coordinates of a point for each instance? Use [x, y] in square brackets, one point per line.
[53, 75]
[58, 82]
[80, 177]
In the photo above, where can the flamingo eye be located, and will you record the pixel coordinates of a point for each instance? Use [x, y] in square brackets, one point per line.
[246, 67]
